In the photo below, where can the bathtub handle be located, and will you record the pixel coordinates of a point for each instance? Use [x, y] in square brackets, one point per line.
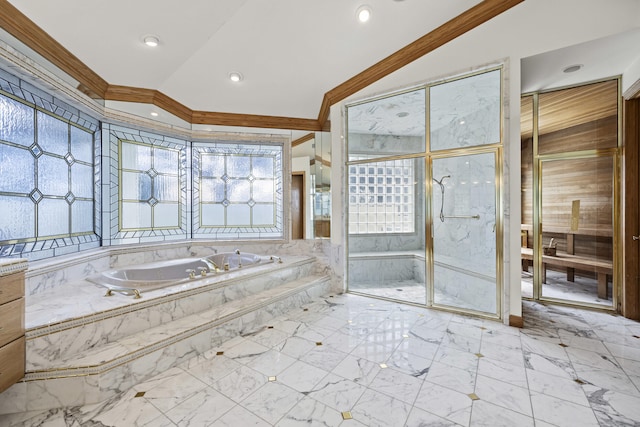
[191, 272]
[203, 271]
[274, 258]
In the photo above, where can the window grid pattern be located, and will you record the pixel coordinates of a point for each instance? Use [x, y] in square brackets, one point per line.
[381, 197]
[41, 140]
[149, 187]
[237, 191]
[158, 167]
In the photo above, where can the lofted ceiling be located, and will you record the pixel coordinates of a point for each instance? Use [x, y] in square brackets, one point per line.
[290, 52]
[297, 57]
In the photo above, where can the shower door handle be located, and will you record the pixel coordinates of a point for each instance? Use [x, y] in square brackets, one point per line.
[635, 237]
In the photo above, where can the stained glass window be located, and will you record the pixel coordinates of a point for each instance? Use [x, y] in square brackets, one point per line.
[47, 185]
[237, 190]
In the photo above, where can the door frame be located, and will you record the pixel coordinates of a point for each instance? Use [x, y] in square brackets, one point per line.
[303, 210]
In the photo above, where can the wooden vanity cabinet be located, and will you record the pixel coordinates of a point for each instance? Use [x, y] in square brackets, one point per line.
[12, 341]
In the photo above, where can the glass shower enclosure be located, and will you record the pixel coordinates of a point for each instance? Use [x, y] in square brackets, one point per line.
[423, 188]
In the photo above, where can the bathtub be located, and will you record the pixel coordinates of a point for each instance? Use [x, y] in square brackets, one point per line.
[136, 279]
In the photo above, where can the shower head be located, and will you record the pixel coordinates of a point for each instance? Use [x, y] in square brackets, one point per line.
[441, 179]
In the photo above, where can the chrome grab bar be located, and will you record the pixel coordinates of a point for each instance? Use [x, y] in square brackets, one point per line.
[463, 216]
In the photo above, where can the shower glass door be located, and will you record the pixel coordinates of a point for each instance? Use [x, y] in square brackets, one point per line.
[463, 204]
[386, 194]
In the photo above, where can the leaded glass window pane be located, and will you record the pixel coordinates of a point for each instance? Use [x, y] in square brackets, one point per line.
[16, 169]
[150, 186]
[238, 189]
[17, 122]
[53, 134]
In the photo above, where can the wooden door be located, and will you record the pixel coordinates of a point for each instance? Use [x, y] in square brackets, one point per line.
[297, 205]
[631, 229]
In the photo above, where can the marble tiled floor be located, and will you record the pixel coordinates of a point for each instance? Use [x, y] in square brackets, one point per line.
[388, 364]
[582, 290]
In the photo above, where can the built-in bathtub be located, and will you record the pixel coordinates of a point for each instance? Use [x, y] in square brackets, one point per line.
[136, 279]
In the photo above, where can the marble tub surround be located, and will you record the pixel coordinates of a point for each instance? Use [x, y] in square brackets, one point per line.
[48, 274]
[390, 365]
[58, 327]
[98, 349]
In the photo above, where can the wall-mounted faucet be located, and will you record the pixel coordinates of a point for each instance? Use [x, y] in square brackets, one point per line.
[237, 251]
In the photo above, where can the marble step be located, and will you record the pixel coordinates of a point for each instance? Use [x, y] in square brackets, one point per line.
[99, 374]
[103, 357]
[79, 333]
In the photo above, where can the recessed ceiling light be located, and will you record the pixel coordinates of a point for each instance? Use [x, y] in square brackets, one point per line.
[154, 114]
[573, 68]
[363, 13]
[151, 41]
[235, 77]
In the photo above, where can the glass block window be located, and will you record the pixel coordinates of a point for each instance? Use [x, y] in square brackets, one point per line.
[238, 190]
[149, 183]
[381, 197]
[47, 186]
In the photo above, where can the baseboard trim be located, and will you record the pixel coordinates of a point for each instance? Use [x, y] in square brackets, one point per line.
[516, 321]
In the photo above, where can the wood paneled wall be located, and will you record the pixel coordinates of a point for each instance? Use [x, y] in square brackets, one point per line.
[572, 120]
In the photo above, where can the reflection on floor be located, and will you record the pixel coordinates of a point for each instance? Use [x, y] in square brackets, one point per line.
[388, 364]
[583, 290]
[409, 291]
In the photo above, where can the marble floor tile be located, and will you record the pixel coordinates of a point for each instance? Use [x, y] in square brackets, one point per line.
[561, 413]
[380, 410]
[446, 403]
[566, 367]
[461, 380]
[170, 390]
[504, 395]
[129, 411]
[421, 418]
[211, 370]
[456, 358]
[239, 416]
[271, 362]
[295, 346]
[555, 386]
[202, 408]
[323, 357]
[272, 401]
[245, 351]
[301, 376]
[358, 370]
[484, 413]
[311, 413]
[409, 363]
[269, 337]
[610, 380]
[240, 383]
[396, 384]
[502, 371]
[337, 392]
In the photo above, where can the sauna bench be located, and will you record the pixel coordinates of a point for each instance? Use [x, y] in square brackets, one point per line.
[603, 268]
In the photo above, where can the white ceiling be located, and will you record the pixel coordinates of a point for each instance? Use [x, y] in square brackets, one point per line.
[291, 52]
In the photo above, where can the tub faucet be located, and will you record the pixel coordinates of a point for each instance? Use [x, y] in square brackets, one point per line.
[192, 273]
[203, 271]
[237, 251]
